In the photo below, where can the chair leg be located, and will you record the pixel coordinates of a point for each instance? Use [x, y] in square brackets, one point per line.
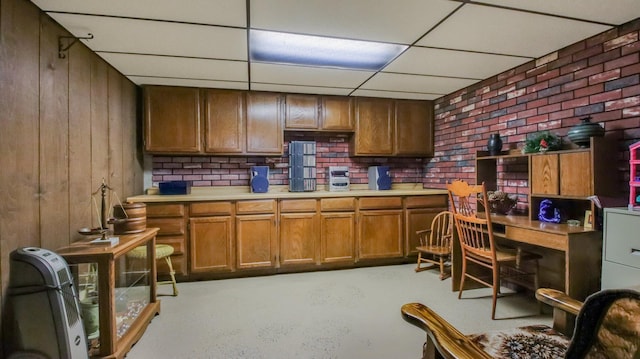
[172, 273]
[464, 274]
[443, 275]
[418, 269]
[496, 290]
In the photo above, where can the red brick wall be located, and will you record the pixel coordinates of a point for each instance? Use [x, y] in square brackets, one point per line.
[332, 150]
[597, 77]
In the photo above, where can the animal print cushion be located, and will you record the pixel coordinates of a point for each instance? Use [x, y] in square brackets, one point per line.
[536, 341]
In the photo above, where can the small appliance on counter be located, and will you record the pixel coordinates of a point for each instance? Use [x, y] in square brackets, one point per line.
[259, 179]
[338, 178]
[379, 178]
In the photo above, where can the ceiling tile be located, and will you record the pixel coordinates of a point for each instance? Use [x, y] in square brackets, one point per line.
[416, 83]
[307, 76]
[454, 63]
[214, 12]
[377, 20]
[301, 89]
[142, 37]
[615, 12]
[399, 95]
[174, 67]
[502, 31]
[142, 80]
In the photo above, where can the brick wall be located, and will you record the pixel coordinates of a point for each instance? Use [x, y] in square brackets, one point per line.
[597, 77]
[332, 150]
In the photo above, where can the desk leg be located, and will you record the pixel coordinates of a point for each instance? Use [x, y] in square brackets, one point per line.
[456, 263]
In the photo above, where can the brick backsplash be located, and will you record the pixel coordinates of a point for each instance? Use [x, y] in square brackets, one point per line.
[331, 150]
[597, 77]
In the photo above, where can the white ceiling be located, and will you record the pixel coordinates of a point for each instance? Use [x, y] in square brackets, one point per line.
[453, 44]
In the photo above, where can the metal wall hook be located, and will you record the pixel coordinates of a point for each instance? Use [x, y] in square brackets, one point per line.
[62, 48]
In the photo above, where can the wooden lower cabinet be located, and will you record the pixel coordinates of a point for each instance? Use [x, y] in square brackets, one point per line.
[380, 234]
[337, 237]
[256, 240]
[211, 244]
[172, 221]
[298, 238]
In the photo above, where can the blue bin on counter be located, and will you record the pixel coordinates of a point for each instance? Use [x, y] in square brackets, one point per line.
[175, 187]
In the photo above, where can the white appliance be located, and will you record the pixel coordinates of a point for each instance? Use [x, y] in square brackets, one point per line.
[338, 178]
[44, 314]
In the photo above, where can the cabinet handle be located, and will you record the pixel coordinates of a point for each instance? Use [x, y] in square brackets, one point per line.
[635, 252]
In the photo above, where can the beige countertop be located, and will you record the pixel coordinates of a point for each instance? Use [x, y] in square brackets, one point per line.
[281, 191]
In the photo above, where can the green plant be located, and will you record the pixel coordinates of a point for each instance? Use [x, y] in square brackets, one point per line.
[542, 141]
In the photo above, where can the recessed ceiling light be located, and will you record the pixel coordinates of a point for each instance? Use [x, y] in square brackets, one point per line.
[278, 47]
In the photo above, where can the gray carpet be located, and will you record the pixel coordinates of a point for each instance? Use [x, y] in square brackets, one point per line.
[353, 313]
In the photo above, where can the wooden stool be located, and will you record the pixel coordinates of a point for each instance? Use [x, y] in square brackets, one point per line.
[163, 251]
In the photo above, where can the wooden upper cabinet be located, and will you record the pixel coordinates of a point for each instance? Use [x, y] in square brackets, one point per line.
[264, 123]
[301, 112]
[374, 130]
[336, 113]
[172, 119]
[414, 128]
[225, 122]
[562, 174]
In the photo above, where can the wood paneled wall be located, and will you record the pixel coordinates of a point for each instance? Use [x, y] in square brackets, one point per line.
[65, 125]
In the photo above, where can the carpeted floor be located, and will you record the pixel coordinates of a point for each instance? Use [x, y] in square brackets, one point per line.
[353, 313]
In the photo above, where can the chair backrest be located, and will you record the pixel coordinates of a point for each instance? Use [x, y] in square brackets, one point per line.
[608, 326]
[475, 232]
[441, 230]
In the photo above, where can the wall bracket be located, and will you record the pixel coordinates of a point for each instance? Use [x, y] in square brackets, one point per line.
[70, 40]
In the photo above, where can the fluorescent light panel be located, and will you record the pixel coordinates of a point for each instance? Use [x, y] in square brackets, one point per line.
[278, 47]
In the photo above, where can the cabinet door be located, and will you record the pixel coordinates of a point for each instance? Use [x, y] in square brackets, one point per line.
[224, 122]
[172, 119]
[264, 123]
[211, 244]
[337, 237]
[576, 177]
[374, 127]
[298, 238]
[544, 174]
[337, 113]
[301, 112]
[380, 234]
[256, 240]
[415, 220]
[414, 128]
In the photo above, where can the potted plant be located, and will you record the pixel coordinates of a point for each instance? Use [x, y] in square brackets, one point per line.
[542, 141]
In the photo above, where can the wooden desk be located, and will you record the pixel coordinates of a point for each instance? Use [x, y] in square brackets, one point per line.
[582, 250]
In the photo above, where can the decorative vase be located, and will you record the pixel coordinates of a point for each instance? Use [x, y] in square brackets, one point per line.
[495, 144]
[581, 133]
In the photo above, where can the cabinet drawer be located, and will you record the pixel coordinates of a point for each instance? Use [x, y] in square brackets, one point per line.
[621, 242]
[380, 202]
[298, 205]
[338, 204]
[258, 206]
[210, 208]
[538, 238]
[178, 243]
[165, 210]
[168, 226]
[439, 200]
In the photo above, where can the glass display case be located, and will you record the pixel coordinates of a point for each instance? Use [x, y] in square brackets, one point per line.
[116, 290]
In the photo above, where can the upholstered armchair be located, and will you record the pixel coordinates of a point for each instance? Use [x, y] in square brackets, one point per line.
[607, 326]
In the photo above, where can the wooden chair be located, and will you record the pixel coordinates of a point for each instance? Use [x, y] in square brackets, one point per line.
[435, 243]
[607, 326]
[478, 244]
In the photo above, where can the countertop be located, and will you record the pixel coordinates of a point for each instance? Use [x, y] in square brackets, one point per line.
[282, 191]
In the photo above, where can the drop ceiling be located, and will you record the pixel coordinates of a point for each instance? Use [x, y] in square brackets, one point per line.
[452, 44]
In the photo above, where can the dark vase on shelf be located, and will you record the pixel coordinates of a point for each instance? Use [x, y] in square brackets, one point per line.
[581, 133]
[494, 146]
